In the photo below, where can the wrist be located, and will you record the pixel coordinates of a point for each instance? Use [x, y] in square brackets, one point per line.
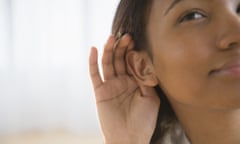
[127, 139]
[127, 142]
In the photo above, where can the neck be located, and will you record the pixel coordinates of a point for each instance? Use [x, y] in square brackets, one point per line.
[209, 126]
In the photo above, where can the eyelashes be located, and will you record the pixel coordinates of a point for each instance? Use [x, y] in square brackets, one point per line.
[238, 10]
[197, 14]
[191, 16]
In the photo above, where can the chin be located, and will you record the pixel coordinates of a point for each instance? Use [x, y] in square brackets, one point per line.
[226, 102]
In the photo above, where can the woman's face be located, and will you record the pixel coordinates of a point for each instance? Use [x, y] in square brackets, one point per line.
[196, 51]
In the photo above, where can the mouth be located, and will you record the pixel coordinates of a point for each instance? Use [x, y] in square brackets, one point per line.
[230, 68]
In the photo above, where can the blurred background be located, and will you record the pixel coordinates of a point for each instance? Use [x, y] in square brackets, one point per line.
[45, 90]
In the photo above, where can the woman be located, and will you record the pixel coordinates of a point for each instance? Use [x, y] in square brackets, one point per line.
[174, 75]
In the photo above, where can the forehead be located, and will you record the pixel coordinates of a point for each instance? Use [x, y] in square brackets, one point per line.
[162, 6]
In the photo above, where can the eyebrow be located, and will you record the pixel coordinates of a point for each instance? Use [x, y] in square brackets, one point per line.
[174, 3]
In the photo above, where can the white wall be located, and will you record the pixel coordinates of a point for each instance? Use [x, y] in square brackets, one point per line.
[44, 48]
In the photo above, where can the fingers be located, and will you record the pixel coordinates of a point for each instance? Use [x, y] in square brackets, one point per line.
[113, 61]
[93, 68]
[120, 50]
[107, 59]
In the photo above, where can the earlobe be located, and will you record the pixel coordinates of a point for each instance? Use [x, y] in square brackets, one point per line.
[140, 66]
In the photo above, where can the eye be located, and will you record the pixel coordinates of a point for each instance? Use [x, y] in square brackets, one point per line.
[238, 10]
[193, 15]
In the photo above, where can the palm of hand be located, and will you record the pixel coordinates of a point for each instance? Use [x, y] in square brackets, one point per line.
[125, 114]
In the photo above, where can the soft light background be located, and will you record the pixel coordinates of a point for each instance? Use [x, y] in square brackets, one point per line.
[44, 83]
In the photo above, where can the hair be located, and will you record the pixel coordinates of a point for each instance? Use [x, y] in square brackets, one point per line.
[132, 17]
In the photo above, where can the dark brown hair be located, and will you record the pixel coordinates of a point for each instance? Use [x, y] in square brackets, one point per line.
[132, 17]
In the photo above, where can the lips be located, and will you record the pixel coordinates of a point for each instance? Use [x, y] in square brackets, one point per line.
[230, 68]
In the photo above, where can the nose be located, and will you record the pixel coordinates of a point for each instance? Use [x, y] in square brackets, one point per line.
[230, 32]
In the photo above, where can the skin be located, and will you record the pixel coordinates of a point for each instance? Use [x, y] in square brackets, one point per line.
[187, 49]
[189, 52]
[127, 108]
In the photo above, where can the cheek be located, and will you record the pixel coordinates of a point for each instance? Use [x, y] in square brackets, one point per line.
[182, 72]
[178, 82]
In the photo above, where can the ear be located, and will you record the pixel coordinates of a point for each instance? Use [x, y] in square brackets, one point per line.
[140, 66]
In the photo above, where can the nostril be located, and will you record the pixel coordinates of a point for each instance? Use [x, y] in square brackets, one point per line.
[229, 38]
[224, 45]
[233, 45]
